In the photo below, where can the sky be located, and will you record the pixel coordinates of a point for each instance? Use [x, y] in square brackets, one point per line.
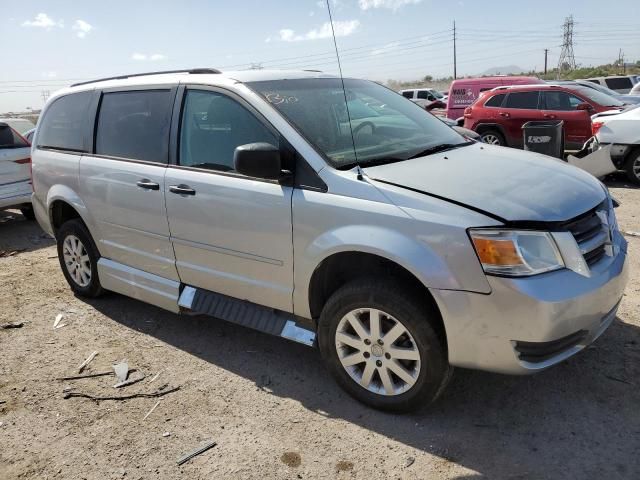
[50, 44]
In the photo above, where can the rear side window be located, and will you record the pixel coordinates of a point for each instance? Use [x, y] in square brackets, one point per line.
[135, 125]
[495, 101]
[10, 139]
[65, 123]
[523, 100]
[408, 94]
[618, 83]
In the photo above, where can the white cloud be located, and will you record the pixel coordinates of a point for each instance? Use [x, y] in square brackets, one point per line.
[81, 28]
[342, 29]
[42, 20]
[143, 57]
[49, 74]
[390, 4]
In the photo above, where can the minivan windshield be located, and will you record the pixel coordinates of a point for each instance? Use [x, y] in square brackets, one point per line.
[385, 126]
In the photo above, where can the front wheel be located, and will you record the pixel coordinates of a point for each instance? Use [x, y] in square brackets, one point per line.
[78, 258]
[492, 137]
[381, 346]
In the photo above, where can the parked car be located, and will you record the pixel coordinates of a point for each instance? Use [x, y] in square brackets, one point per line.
[622, 132]
[635, 91]
[15, 181]
[415, 250]
[28, 135]
[498, 115]
[20, 125]
[423, 96]
[465, 91]
[624, 98]
[465, 132]
[619, 83]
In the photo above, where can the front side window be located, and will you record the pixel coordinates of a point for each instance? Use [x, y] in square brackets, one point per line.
[213, 125]
[384, 128]
[135, 125]
[425, 95]
[522, 100]
[64, 123]
[561, 101]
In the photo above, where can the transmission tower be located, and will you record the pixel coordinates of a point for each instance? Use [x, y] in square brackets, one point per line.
[567, 60]
[45, 95]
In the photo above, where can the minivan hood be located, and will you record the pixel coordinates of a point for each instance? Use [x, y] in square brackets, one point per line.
[512, 185]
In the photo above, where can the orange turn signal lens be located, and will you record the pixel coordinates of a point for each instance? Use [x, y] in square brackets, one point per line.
[497, 251]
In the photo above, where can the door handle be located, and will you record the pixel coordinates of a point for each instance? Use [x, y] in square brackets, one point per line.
[182, 189]
[148, 184]
[504, 114]
[548, 115]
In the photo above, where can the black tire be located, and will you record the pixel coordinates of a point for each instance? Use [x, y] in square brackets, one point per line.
[75, 227]
[633, 161]
[27, 212]
[495, 134]
[418, 317]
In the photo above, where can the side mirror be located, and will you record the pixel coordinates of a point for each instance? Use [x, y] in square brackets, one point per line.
[584, 106]
[260, 160]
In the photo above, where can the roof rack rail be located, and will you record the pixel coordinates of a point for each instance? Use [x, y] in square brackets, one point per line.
[194, 71]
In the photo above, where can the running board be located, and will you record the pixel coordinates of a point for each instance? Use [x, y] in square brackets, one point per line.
[247, 314]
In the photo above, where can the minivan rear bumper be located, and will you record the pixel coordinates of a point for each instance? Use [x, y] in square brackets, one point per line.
[529, 324]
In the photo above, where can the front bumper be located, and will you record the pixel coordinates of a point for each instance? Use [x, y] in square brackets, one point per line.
[486, 331]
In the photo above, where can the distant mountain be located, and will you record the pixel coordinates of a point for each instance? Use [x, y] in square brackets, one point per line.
[506, 70]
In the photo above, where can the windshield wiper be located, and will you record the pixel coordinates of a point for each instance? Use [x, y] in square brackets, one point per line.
[439, 148]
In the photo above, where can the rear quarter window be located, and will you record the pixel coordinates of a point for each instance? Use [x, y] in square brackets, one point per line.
[135, 125]
[408, 94]
[10, 139]
[65, 122]
[495, 101]
[618, 83]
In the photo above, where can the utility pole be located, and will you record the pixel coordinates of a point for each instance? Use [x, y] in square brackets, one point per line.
[546, 51]
[567, 60]
[45, 95]
[621, 62]
[455, 66]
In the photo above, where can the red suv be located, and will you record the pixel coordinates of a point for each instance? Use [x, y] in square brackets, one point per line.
[498, 115]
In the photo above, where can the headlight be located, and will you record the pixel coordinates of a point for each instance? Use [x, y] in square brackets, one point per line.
[516, 253]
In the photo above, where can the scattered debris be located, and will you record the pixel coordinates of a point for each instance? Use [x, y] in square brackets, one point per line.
[631, 234]
[2, 401]
[158, 393]
[56, 323]
[151, 411]
[155, 377]
[197, 452]
[89, 359]
[10, 253]
[166, 434]
[12, 325]
[90, 375]
[131, 381]
[52, 256]
[410, 461]
[121, 370]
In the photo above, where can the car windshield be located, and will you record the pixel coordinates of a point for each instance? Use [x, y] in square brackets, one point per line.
[601, 88]
[385, 126]
[598, 97]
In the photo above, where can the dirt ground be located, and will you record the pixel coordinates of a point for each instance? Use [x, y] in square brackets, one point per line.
[270, 405]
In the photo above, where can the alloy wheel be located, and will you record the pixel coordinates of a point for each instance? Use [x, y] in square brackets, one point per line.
[76, 259]
[377, 351]
[491, 139]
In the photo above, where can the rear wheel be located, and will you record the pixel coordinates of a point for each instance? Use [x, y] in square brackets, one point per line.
[492, 137]
[632, 166]
[381, 346]
[78, 258]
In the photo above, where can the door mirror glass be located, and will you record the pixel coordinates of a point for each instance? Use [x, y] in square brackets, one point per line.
[259, 160]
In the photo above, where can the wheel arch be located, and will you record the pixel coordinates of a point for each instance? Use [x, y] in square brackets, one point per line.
[485, 127]
[340, 268]
[64, 204]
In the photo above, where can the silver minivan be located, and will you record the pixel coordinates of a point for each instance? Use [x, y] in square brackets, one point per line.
[331, 212]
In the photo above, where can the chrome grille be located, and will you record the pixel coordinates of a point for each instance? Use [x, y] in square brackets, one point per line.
[591, 233]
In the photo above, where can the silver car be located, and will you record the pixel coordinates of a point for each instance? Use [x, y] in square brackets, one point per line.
[347, 219]
[15, 181]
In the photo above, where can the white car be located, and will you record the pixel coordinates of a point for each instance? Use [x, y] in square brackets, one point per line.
[635, 90]
[619, 83]
[423, 96]
[15, 178]
[20, 125]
